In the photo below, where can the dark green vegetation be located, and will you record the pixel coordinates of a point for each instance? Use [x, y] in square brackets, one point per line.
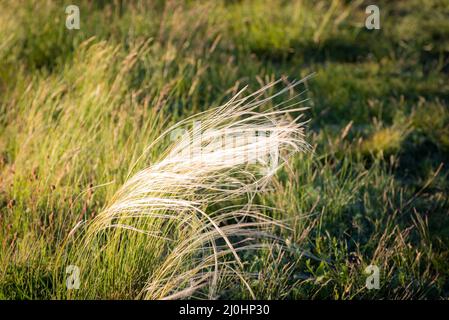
[78, 107]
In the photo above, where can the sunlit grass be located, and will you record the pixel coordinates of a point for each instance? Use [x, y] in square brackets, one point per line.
[78, 109]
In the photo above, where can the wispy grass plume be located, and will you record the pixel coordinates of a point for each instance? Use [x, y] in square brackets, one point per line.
[177, 227]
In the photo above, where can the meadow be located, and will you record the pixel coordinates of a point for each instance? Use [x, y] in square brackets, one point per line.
[78, 108]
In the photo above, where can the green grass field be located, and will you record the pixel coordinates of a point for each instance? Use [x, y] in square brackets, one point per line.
[78, 108]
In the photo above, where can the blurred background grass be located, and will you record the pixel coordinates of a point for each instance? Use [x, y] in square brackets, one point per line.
[77, 107]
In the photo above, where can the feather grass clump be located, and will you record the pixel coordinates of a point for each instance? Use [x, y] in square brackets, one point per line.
[177, 228]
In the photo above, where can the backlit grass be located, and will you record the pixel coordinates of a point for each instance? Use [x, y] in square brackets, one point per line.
[79, 107]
